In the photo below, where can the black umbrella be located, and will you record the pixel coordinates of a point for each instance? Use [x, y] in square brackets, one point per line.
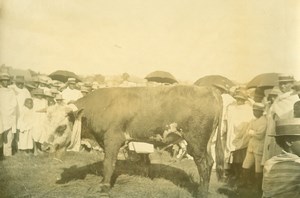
[63, 75]
[161, 77]
[264, 80]
[214, 79]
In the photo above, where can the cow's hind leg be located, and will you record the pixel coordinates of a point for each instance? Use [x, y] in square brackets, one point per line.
[204, 162]
[113, 140]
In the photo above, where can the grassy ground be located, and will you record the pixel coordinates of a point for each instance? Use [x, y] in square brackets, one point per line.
[78, 175]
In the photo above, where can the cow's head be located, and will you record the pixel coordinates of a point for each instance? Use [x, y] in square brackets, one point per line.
[60, 129]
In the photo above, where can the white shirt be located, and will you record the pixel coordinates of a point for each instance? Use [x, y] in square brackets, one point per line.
[8, 110]
[71, 94]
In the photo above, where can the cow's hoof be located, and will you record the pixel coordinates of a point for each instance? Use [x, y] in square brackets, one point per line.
[104, 188]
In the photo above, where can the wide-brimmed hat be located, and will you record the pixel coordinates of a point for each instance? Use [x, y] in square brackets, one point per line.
[48, 93]
[240, 95]
[285, 78]
[258, 106]
[38, 91]
[287, 127]
[20, 79]
[71, 80]
[84, 89]
[4, 76]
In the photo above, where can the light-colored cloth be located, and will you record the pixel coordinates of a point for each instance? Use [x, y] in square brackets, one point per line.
[26, 126]
[284, 104]
[282, 176]
[238, 118]
[71, 95]
[21, 95]
[282, 108]
[8, 110]
[75, 136]
[41, 123]
[257, 131]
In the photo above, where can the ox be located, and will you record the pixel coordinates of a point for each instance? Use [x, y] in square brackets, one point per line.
[143, 112]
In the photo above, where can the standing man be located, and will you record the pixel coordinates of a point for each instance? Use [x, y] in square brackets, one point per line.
[71, 94]
[282, 108]
[8, 115]
[237, 119]
[21, 93]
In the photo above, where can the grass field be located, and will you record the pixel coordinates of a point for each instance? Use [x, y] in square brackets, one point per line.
[73, 174]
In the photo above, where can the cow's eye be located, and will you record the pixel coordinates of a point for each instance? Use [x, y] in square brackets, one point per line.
[61, 129]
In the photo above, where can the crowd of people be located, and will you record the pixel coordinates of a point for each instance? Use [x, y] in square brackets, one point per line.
[25, 108]
[259, 133]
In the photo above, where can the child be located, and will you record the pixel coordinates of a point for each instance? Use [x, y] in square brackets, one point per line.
[256, 131]
[282, 172]
[25, 126]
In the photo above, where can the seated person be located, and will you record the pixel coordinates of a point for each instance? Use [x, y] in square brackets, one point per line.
[282, 172]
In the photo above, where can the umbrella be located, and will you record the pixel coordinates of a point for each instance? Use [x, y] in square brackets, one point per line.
[161, 77]
[214, 79]
[264, 80]
[63, 75]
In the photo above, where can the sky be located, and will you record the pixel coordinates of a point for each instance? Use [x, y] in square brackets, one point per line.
[189, 39]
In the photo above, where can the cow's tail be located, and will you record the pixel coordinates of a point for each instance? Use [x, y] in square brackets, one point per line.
[219, 151]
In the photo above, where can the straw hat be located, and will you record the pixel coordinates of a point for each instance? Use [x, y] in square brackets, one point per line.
[258, 106]
[71, 80]
[288, 127]
[20, 79]
[4, 76]
[285, 78]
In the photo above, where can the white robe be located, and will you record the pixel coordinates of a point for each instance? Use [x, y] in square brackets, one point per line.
[238, 118]
[71, 95]
[21, 95]
[26, 125]
[40, 122]
[8, 110]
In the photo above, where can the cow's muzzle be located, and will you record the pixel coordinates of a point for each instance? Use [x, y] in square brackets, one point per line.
[46, 147]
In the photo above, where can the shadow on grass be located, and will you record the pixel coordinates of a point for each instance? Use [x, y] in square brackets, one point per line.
[175, 175]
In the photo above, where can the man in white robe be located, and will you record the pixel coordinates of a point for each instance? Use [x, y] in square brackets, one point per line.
[8, 115]
[71, 94]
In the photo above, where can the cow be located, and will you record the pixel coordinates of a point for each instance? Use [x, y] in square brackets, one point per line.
[143, 112]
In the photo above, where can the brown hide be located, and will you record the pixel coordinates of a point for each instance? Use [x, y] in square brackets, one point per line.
[143, 112]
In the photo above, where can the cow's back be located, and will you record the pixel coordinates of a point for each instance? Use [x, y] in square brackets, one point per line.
[142, 111]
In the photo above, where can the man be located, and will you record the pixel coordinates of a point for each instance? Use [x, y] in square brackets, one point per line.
[71, 94]
[282, 108]
[257, 132]
[237, 120]
[281, 173]
[8, 115]
[21, 93]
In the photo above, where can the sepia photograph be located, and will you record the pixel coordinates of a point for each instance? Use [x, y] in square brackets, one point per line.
[149, 98]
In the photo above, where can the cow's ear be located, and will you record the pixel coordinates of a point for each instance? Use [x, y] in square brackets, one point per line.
[78, 114]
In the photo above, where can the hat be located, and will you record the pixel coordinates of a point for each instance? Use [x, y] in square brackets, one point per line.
[38, 91]
[220, 86]
[275, 91]
[240, 95]
[48, 93]
[84, 89]
[258, 106]
[20, 79]
[71, 80]
[285, 78]
[287, 127]
[4, 76]
[30, 85]
[54, 90]
[58, 97]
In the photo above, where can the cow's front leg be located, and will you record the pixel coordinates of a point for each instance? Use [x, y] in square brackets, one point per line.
[113, 140]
